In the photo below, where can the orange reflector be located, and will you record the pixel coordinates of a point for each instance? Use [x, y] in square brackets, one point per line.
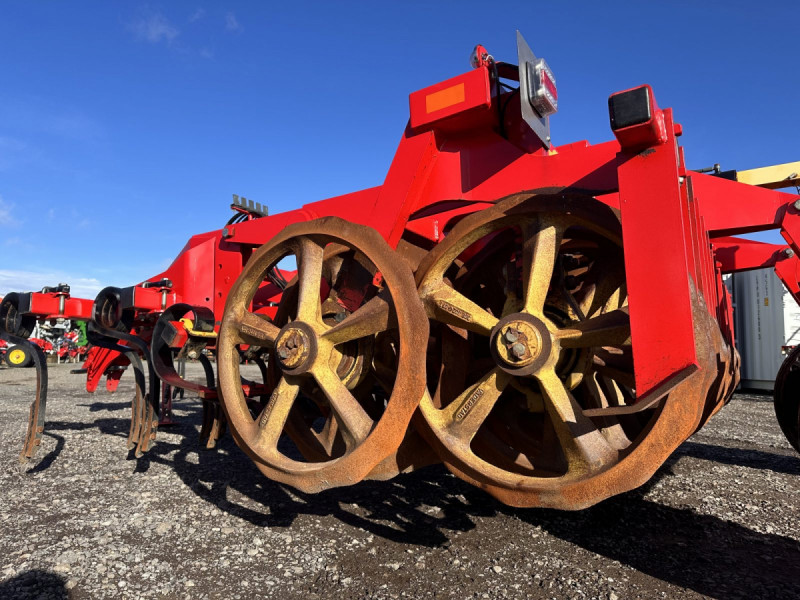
[444, 98]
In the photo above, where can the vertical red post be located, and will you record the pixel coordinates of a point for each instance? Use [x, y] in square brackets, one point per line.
[658, 262]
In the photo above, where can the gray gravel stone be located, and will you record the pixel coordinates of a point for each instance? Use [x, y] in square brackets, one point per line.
[89, 521]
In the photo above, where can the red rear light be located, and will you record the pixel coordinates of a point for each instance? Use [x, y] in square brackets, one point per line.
[543, 91]
[550, 85]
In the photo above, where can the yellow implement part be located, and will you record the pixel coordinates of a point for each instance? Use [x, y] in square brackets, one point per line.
[774, 177]
[16, 356]
[189, 325]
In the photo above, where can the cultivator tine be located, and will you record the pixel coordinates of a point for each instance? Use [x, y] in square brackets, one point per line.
[167, 338]
[137, 414]
[108, 329]
[213, 416]
[165, 408]
[33, 436]
[15, 327]
[138, 411]
[179, 393]
[213, 424]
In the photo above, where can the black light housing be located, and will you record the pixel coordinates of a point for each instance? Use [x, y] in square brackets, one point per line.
[632, 107]
[636, 120]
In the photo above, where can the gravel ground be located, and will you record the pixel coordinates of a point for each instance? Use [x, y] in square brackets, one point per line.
[88, 521]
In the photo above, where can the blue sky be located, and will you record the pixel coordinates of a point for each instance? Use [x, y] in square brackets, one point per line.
[125, 127]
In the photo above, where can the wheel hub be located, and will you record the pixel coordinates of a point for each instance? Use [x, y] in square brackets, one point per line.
[520, 344]
[16, 356]
[296, 348]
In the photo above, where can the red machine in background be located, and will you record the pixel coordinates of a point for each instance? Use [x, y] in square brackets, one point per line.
[548, 321]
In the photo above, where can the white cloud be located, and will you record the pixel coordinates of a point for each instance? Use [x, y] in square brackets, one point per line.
[6, 218]
[197, 15]
[154, 28]
[231, 22]
[29, 281]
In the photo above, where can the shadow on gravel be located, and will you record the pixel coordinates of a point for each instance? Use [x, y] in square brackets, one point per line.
[47, 460]
[34, 584]
[102, 406]
[754, 459]
[116, 427]
[413, 509]
[703, 553]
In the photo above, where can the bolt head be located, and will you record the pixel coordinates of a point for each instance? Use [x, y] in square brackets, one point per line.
[510, 335]
[339, 317]
[797, 204]
[518, 349]
[283, 352]
[193, 354]
[788, 252]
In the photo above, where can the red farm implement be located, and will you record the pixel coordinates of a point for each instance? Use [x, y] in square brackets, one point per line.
[548, 321]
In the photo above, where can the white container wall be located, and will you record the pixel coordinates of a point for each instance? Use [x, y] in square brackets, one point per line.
[758, 299]
[791, 320]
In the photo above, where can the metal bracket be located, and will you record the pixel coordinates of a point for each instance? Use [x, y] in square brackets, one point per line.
[526, 59]
[249, 206]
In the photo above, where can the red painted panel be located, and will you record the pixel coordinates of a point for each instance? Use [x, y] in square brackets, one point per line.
[657, 264]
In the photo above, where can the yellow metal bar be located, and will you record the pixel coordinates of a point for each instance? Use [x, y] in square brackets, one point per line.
[774, 177]
[189, 325]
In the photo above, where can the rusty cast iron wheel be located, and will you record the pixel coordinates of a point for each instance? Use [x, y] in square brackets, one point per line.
[312, 357]
[529, 308]
[368, 369]
[787, 398]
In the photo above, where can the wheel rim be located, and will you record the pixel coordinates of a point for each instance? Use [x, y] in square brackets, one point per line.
[16, 356]
[311, 360]
[518, 428]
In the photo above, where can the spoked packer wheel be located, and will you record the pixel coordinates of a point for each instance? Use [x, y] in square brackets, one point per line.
[353, 302]
[529, 313]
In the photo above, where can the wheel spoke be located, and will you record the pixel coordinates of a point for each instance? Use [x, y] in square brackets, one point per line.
[352, 418]
[610, 426]
[616, 366]
[603, 287]
[256, 330]
[371, 318]
[464, 415]
[309, 274]
[446, 305]
[541, 241]
[609, 329]
[584, 446]
[533, 398]
[328, 436]
[334, 261]
[273, 417]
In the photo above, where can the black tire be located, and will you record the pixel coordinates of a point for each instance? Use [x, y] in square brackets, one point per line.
[18, 356]
[787, 398]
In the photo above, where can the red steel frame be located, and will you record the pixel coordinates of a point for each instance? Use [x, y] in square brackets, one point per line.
[55, 305]
[457, 158]
[44, 306]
